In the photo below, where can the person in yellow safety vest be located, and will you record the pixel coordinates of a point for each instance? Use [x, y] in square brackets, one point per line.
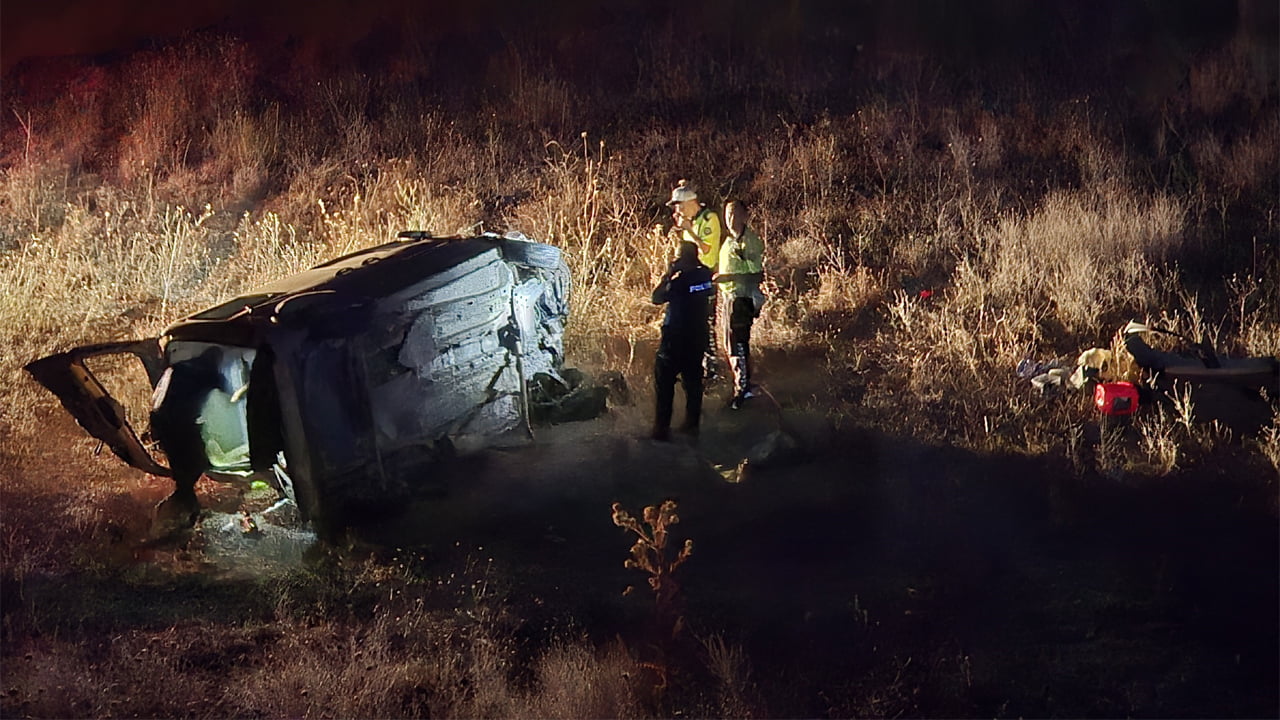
[701, 225]
[739, 274]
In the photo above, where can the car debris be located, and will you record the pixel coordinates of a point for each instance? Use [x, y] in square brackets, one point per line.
[1241, 393]
[341, 385]
[1203, 365]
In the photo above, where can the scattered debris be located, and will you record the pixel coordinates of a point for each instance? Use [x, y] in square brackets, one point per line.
[1203, 365]
[778, 447]
[271, 545]
[1090, 366]
[1234, 390]
[248, 526]
[1242, 394]
[568, 398]
[1047, 377]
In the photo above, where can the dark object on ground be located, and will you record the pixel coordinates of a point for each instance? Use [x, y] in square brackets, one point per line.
[341, 384]
[1256, 372]
[568, 398]
[619, 390]
[1238, 392]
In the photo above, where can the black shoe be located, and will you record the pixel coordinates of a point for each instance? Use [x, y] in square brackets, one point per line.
[688, 429]
[661, 434]
[741, 399]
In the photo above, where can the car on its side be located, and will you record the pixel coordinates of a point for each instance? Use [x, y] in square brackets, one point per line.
[342, 384]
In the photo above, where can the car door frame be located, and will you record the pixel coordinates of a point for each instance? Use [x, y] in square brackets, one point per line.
[67, 376]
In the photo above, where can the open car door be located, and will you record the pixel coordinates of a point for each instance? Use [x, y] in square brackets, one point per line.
[66, 376]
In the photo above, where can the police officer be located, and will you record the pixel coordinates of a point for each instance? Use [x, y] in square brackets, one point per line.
[687, 291]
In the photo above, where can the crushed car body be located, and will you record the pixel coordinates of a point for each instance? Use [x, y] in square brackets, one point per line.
[342, 384]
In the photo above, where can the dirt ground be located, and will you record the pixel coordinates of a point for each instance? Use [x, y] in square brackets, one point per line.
[967, 585]
[867, 574]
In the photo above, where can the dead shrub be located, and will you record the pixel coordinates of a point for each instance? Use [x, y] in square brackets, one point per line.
[575, 681]
[1225, 76]
[1253, 161]
[1078, 257]
[651, 555]
[1269, 444]
[841, 287]
[731, 668]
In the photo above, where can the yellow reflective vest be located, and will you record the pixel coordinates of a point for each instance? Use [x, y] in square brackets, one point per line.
[742, 257]
[707, 231]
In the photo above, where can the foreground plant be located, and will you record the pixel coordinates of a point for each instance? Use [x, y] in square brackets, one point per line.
[649, 553]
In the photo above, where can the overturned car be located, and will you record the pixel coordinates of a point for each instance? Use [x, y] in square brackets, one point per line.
[340, 385]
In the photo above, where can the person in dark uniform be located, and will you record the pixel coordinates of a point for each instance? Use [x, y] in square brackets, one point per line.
[175, 424]
[687, 291]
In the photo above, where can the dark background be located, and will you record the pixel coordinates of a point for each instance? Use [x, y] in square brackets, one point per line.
[972, 33]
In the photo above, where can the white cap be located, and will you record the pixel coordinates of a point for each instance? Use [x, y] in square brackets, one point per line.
[681, 193]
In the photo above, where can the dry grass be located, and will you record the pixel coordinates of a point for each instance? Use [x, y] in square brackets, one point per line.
[1160, 442]
[925, 240]
[408, 662]
[1269, 444]
[732, 670]
[1081, 260]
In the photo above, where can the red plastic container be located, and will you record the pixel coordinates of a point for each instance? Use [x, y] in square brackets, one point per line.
[1116, 398]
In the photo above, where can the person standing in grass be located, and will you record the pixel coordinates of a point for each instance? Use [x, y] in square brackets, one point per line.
[740, 271]
[700, 225]
[687, 291]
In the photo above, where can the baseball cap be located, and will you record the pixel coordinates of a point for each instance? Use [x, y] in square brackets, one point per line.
[681, 193]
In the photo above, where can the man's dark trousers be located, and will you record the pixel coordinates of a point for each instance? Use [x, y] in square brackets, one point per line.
[679, 357]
